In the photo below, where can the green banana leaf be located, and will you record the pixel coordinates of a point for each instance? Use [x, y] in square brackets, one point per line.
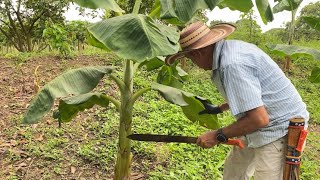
[212, 3]
[73, 82]
[314, 22]
[95, 4]
[69, 107]
[286, 5]
[168, 75]
[294, 51]
[137, 37]
[180, 11]
[171, 94]
[156, 10]
[168, 9]
[315, 75]
[265, 10]
[189, 104]
[153, 63]
[243, 5]
[172, 76]
[191, 111]
[94, 42]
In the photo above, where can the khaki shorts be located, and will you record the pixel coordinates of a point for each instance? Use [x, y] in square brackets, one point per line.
[263, 163]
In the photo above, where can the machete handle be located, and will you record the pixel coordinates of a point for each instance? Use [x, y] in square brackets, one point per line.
[235, 142]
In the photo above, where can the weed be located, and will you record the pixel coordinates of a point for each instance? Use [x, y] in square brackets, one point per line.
[18, 58]
[13, 176]
[12, 155]
[57, 169]
[310, 159]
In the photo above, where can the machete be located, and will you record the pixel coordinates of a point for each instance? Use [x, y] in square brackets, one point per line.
[178, 139]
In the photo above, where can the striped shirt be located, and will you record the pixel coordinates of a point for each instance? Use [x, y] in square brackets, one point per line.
[248, 78]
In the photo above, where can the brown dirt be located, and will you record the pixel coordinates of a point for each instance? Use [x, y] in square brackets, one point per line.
[16, 90]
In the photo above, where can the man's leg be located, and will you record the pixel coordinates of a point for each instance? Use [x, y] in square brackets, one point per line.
[239, 164]
[269, 160]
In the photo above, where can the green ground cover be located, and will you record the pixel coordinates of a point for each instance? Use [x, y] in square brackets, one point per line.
[91, 143]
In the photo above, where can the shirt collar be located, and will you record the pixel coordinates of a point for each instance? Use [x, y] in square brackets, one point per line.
[216, 54]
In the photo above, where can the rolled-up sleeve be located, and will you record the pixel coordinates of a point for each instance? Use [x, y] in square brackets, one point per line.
[242, 87]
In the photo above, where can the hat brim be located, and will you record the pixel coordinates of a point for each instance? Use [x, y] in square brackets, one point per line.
[217, 32]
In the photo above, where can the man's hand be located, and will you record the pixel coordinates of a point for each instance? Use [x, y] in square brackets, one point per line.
[208, 139]
[209, 108]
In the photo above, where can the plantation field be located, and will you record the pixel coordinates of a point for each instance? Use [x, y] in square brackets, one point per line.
[86, 147]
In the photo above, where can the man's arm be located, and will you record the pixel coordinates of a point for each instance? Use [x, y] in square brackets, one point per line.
[253, 120]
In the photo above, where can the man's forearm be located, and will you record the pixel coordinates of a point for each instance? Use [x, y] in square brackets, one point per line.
[252, 121]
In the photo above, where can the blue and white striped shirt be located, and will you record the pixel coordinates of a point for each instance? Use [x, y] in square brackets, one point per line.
[248, 78]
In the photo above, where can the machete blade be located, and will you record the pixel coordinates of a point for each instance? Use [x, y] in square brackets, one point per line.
[163, 138]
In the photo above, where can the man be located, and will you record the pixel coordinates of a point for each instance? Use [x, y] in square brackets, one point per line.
[258, 93]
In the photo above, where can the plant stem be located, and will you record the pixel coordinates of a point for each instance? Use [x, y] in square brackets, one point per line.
[139, 93]
[114, 101]
[123, 164]
[292, 25]
[136, 7]
[119, 82]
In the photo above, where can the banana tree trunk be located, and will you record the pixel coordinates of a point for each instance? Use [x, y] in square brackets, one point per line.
[124, 157]
[291, 38]
[292, 25]
[123, 163]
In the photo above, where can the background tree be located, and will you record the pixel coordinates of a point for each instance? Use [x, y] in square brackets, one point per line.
[21, 21]
[246, 24]
[292, 6]
[127, 6]
[303, 30]
[275, 36]
[57, 37]
[77, 32]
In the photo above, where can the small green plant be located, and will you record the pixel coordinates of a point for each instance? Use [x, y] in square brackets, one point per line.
[57, 38]
[19, 58]
[57, 169]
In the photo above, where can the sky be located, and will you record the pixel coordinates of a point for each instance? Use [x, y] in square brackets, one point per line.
[218, 14]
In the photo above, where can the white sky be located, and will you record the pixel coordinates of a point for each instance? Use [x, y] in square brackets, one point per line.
[216, 14]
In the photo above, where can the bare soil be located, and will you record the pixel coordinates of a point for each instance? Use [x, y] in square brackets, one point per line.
[17, 156]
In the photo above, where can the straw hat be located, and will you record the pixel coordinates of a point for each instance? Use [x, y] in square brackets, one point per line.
[197, 35]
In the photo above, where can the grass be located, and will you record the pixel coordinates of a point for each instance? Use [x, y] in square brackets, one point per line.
[309, 92]
[310, 162]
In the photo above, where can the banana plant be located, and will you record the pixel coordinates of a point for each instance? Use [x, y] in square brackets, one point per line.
[292, 6]
[293, 52]
[141, 41]
[299, 51]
